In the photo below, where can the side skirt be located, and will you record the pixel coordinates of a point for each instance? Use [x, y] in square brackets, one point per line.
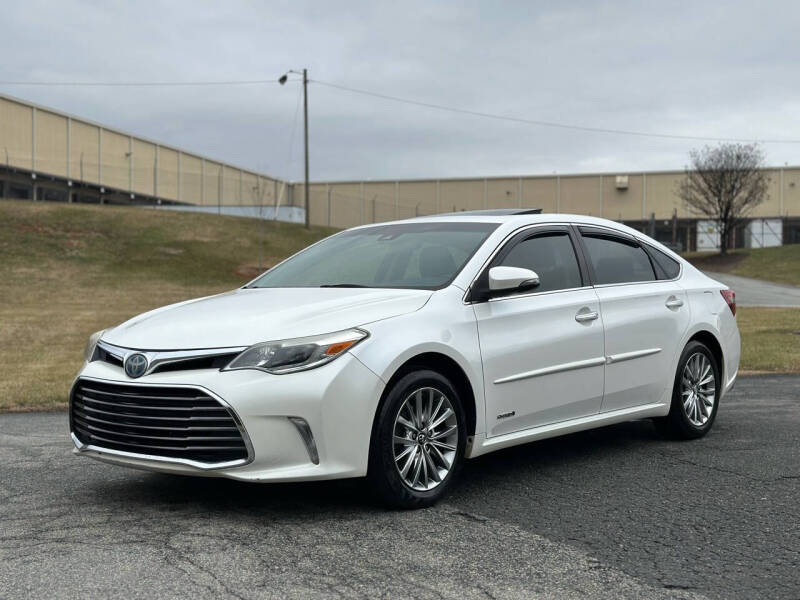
[483, 445]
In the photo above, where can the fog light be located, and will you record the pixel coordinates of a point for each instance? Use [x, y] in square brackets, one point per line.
[308, 438]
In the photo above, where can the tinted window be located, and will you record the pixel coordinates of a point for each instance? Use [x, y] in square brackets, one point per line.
[616, 261]
[408, 255]
[553, 259]
[666, 267]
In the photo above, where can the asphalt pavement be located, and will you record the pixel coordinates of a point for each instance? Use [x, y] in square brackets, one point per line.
[612, 513]
[756, 292]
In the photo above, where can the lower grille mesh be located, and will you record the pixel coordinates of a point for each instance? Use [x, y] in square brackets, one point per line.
[171, 422]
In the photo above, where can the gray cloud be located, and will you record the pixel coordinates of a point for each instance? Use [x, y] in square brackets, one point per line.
[716, 69]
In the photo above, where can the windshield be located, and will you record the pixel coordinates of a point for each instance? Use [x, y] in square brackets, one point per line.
[407, 255]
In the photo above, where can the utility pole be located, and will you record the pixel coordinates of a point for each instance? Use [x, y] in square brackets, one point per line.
[282, 80]
[305, 144]
[155, 177]
[219, 191]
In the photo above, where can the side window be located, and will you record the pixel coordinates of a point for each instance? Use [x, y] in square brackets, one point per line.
[666, 267]
[617, 261]
[551, 256]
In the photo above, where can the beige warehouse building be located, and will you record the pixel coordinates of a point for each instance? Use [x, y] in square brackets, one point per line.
[48, 155]
[52, 156]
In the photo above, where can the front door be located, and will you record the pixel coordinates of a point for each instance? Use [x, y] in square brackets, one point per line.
[542, 350]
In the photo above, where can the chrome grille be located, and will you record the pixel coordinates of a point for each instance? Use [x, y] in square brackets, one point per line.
[168, 360]
[170, 422]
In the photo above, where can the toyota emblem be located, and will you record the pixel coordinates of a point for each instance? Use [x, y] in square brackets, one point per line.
[136, 365]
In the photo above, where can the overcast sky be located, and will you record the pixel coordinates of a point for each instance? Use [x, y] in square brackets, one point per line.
[722, 69]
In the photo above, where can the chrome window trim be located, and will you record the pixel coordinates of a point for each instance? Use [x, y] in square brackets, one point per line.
[158, 358]
[99, 450]
[608, 285]
[529, 294]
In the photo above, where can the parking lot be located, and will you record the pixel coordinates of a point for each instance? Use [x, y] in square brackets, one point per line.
[612, 513]
[755, 292]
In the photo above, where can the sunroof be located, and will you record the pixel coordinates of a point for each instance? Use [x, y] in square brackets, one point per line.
[495, 212]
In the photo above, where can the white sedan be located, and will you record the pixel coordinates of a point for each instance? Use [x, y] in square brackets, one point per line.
[397, 351]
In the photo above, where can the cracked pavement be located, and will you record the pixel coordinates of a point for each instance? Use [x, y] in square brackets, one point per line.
[612, 513]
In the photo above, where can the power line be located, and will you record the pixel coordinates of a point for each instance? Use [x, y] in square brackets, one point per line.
[140, 83]
[442, 107]
[541, 123]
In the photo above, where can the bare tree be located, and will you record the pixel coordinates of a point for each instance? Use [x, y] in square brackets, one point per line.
[725, 183]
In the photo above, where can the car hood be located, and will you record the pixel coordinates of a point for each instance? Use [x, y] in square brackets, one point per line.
[248, 316]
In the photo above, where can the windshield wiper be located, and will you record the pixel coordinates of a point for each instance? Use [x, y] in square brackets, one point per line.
[343, 285]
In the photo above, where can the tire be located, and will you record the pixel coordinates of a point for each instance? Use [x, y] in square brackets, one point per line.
[690, 415]
[425, 455]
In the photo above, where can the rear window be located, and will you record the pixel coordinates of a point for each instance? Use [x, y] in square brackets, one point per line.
[616, 260]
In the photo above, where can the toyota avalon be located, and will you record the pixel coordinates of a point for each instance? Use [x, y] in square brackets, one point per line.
[397, 351]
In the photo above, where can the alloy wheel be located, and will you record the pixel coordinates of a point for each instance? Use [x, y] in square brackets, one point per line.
[425, 438]
[698, 389]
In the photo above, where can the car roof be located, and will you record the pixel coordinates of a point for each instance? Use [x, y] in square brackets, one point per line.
[514, 217]
[493, 212]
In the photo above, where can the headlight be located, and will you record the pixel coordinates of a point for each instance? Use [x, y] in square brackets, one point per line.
[92, 344]
[300, 354]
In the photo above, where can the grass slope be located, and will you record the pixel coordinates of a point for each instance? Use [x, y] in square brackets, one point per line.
[780, 264]
[69, 270]
[770, 339]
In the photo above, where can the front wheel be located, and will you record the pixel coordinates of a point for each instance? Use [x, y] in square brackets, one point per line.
[695, 394]
[418, 441]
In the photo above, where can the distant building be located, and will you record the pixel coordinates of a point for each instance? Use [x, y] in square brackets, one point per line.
[51, 156]
[48, 155]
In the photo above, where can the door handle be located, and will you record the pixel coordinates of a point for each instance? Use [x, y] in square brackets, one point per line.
[583, 317]
[673, 302]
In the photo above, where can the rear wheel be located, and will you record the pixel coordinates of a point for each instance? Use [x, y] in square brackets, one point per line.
[695, 394]
[418, 441]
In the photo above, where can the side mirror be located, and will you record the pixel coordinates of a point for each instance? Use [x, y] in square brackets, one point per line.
[509, 279]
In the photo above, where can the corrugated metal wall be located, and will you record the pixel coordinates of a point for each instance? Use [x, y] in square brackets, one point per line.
[47, 142]
[342, 204]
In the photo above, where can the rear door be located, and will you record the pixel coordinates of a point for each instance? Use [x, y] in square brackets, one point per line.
[645, 314]
[542, 350]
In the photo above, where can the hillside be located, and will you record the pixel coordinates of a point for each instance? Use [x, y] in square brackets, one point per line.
[780, 264]
[69, 270]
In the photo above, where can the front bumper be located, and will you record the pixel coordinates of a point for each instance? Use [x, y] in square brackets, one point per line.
[337, 401]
